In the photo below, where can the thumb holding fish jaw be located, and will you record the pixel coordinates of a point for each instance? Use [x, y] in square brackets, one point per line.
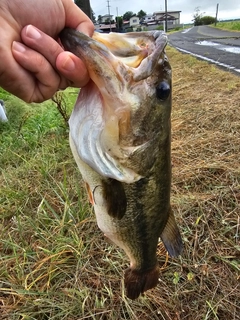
[49, 68]
[72, 68]
[34, 68]
[45, 67]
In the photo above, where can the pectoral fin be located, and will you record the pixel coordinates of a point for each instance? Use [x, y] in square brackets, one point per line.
[171, 237]
[115, 197]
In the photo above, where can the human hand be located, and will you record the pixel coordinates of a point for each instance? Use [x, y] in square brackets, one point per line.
[33, 66]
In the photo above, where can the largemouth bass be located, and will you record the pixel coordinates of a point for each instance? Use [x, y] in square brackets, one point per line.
[120, 136]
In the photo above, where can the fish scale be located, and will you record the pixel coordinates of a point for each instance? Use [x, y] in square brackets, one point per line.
[126, 164]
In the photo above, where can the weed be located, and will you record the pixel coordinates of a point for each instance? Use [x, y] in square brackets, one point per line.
[229, 25]
[55, 263]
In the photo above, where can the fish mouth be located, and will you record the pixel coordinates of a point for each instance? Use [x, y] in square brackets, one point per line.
[115, 65]
[111, 56]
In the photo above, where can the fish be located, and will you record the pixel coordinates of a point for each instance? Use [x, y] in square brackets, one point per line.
[120, 137]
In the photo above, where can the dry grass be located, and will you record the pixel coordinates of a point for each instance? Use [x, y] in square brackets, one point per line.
[55, 263]
[206, 191]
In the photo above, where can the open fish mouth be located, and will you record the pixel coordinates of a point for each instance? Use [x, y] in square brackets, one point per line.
[115, 64]
[120, 137]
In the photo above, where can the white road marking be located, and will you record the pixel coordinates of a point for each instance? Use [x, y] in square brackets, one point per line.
[209, 60]
[219, 46]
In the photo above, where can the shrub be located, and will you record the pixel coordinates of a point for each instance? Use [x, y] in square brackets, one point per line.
[206, 20]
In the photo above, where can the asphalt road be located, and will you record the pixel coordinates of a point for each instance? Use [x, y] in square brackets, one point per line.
[210, 44]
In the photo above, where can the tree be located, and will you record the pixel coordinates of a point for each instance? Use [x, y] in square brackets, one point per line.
[84, 5]
[208, 20]
[119, 22]
[99, 19]
[141, 14]
[197, 17]
[109, 21]
[93, 18]
[127, 15]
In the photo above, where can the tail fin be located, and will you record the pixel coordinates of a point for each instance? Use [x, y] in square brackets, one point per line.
[137, 282]
[171, 237]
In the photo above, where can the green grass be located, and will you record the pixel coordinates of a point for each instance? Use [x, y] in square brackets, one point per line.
[42, 204]
[55, 264]
[230, 25]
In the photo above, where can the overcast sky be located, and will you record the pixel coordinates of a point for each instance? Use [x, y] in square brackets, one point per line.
[228, 9]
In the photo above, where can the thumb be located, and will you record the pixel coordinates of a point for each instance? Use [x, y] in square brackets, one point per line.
[77, 19]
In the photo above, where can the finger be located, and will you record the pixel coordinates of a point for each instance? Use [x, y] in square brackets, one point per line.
[77, 19]
[69, 66]
[14, 78]
[37, 68]
[42, 43]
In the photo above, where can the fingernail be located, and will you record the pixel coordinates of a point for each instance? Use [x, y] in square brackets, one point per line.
[68, 64]
[32, 32]
[17, 46]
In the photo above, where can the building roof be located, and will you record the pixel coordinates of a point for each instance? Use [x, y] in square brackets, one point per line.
[107, 15]
[168, 11]
[105, 26]
[169, 17]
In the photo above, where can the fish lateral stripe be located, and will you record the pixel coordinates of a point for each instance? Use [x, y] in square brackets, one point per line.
[137, 282]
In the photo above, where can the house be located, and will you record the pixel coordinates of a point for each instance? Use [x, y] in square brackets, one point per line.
[132, 25]
[106, 18]
[134, 21]
[106, 27]
[148, 18]
[173, 17]
[126, 26]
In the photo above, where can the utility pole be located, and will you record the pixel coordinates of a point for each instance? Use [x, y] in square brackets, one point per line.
[109, 14]
[166, 19]
[117, 20]
[216, 14]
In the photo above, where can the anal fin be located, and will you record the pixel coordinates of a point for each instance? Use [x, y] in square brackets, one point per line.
[171, 237]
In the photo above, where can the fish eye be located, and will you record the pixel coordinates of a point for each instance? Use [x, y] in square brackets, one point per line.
[163, 90]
